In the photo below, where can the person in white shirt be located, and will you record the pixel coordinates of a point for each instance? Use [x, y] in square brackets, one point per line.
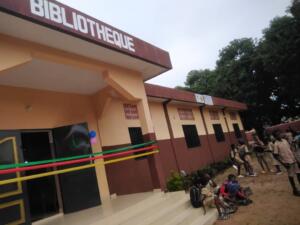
[284, 154]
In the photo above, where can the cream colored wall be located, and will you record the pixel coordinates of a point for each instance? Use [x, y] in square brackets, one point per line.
[23, 108]
[17, 52]
[231, 122]
[130, 86]
[159, 121]
[12, 56]
[126, 82]
[114, 125]
[49, 109]
[176, 123]
[209, 122]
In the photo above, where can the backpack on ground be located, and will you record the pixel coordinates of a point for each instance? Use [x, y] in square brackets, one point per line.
[197, 199]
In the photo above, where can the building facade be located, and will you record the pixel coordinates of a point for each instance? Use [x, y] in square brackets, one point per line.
[63, 74]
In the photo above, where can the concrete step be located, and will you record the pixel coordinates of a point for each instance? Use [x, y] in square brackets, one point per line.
[152, 215]
[159, 209]
[182, 217]
[169, 213]
[116, 217]
[209, 218]
[139, 209]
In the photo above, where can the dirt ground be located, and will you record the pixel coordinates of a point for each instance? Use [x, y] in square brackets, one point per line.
[273, 202]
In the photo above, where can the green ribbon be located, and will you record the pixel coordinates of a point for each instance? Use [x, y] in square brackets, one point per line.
[10, 166]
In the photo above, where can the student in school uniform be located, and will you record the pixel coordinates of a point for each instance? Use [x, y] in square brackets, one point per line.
[284, 154]
[244, 154]
[259, 149]
[270, 154]
[237, 161]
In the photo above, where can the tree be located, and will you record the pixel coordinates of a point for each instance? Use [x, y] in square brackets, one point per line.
[279, 51]
[203, 80]
[295, 9]
[235, 72]
[264, 74]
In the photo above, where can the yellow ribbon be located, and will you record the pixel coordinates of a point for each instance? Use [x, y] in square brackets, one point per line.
[36, 176]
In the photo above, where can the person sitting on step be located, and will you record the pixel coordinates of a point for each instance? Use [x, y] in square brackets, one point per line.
[232, 191]
[210, 190]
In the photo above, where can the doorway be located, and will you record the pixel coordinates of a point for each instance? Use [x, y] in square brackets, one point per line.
[42, 192]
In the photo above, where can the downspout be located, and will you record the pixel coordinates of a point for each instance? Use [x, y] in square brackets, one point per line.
[226, 122]
[165, 103]
[206, 131]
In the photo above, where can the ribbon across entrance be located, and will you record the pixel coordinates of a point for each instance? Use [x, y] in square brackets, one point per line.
[126, 151]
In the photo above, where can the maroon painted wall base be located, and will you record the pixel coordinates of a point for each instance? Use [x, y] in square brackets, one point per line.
[128, 177]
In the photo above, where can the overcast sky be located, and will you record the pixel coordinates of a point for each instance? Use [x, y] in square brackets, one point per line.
[192, 31]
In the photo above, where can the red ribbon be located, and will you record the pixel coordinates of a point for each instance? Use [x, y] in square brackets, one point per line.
[15, 170]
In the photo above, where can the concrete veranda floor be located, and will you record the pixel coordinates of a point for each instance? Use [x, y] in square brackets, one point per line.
[97, 214]
[155, 208]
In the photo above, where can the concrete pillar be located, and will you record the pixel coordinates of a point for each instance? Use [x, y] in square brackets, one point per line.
[131, 86]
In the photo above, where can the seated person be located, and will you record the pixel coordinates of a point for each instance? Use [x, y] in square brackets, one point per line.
[210, 192]
[232, 191]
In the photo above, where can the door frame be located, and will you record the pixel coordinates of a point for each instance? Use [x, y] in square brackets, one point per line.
[18, 174]
[19, 196]
[52, 149]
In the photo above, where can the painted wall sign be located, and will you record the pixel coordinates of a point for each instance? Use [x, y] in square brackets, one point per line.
[57, 16]
[131, 112]
[56, 13]
[214, 115]
[233, 115]
[204, 99]
[186, 114]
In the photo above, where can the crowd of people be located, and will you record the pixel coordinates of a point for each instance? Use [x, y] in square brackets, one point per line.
[277, 152]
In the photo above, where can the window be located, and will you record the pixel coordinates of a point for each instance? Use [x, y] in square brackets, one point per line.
[186, 114]
[131, 112]
[233, 116]
[237, 130]
[191, 136]
[214, 114]
[219, 132]
[136, 137]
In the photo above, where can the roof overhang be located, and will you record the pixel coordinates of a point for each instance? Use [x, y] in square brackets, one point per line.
[175, 96]
[157, 99]
[187, 104]
[51, 76]
[20, 19]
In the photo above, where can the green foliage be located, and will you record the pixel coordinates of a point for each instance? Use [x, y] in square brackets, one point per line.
[203, 79]
[183, 88]
[279, 52]
[265, 73]
[221, 166]
[234, 69]
[295, 9]
[176, 182]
